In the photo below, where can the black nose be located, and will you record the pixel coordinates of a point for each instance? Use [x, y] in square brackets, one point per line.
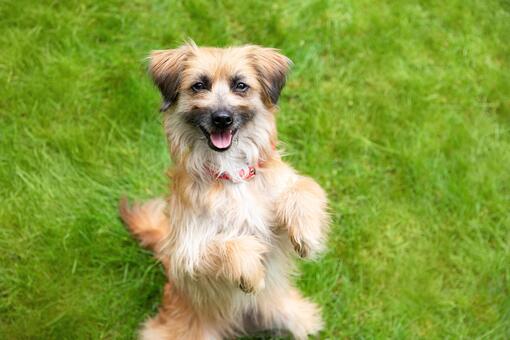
[222, 119]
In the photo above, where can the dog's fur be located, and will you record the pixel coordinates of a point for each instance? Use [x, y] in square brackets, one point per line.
[228, 245]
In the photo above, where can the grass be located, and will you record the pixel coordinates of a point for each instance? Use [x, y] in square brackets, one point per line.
[400, 109]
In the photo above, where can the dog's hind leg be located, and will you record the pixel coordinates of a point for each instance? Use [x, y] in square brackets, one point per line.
[177, 320]
[290, 311]
[147, 222]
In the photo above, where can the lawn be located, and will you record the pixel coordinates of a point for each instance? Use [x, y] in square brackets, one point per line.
[400, 109]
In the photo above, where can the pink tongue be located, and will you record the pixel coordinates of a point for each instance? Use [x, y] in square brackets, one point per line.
[221, 140]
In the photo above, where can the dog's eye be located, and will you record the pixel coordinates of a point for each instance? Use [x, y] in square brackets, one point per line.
[198, 86]
[241, 87]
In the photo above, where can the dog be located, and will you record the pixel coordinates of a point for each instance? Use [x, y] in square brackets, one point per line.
[238, 216]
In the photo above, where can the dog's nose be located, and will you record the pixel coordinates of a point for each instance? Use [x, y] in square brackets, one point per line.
[222, 119]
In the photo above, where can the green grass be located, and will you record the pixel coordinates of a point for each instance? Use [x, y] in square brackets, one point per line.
[401, 110]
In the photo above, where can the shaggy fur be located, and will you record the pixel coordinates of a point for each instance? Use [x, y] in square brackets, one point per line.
[228, 246]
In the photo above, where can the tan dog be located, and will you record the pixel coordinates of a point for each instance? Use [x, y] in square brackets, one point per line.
[237, 215]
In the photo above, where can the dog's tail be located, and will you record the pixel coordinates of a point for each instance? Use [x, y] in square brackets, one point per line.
[147, 222]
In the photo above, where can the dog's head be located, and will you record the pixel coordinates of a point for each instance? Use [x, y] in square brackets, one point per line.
[219, 98]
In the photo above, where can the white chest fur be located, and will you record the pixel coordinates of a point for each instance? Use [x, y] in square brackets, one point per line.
[237, 209]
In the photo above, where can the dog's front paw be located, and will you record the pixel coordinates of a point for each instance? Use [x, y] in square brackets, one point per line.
[300, 246]
[244, 264]
[302, 211]
[252, 274]
[250, 286]
[306, 240]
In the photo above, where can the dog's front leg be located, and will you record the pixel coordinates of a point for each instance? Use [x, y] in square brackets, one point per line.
[302, 210]
[239, 260]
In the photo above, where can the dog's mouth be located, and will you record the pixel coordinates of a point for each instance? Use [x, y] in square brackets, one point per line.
[220, 140]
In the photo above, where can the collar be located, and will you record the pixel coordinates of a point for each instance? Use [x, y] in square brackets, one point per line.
[245, 174]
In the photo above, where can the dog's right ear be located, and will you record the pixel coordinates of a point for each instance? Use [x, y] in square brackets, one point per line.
[165, 68]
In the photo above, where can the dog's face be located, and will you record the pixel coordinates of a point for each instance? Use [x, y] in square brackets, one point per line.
[215, 96]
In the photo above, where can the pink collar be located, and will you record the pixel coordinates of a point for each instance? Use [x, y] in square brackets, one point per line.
[245, 174]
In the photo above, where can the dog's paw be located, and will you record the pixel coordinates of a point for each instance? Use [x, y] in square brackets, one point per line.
[306, 241]
[252, 275]
[244, 263]
[251, 287]
[300, 246]
[302, 210]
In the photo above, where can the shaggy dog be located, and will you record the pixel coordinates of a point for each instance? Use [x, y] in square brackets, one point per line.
[237, 214]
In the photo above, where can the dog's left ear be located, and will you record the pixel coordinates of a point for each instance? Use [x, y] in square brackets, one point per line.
[165, 68]
[272, 68]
